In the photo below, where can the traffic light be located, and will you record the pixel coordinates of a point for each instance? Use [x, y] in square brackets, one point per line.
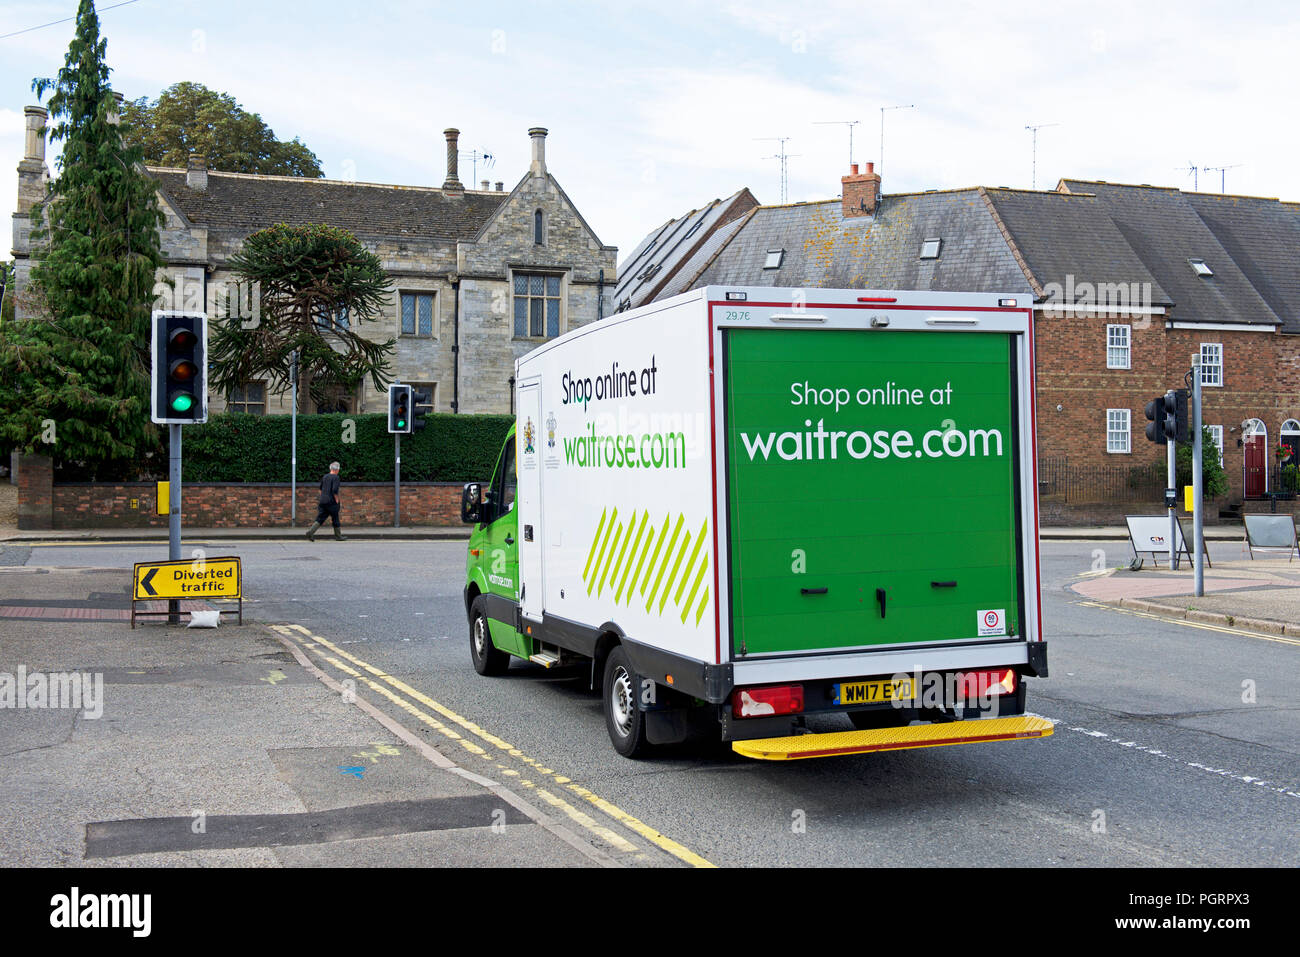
[423, 405]
[179, 394]
[399, 409]
[1182, 424]
[1155, 412]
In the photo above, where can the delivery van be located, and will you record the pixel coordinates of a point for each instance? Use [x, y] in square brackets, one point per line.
[802, 521]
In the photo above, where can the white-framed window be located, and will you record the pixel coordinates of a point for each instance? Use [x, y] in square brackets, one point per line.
[774, 259]
[1216, 432]
[249, 397]
[537, 305]
[930, 248]
[417, 315]
[1212, 363]
[1118, 430]
[1118, 347]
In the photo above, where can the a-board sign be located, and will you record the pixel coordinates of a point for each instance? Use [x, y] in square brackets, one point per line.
[1270, 531]
[188, 578]
[1150, 534]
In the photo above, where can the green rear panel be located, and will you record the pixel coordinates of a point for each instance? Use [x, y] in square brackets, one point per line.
[809, 514]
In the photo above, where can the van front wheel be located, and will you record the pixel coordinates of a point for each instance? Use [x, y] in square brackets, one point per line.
[623, 719]
[488, 659]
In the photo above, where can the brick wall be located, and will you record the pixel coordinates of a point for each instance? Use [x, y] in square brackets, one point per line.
[1261, 379]
[250, 505]
[35, 482]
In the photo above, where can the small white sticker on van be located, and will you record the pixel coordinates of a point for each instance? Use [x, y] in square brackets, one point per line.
[992, 621]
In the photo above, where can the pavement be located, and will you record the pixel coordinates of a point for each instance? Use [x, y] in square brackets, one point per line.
[1214, 533]
[170, 746]
[1260, 594]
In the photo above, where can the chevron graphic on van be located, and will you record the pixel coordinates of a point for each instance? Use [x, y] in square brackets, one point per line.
[642, 559]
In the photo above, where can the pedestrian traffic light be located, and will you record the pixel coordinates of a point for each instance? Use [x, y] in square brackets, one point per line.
[179, 394]
[1156, 427]
[422, 400]
[399, 409]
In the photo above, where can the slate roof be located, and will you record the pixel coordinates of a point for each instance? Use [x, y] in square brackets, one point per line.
[686, 277]
[660, 256]
[1263, 238]
[244, 203]
[1061, 235]
[1165, 230]
[824, 249]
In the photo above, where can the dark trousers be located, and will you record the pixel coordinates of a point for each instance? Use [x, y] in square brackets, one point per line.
[330, 511]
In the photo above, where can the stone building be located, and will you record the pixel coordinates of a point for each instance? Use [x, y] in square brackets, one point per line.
[479, 276]
[1128, 283]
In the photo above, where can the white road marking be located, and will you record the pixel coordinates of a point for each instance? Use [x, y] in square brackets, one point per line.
[1290, 790]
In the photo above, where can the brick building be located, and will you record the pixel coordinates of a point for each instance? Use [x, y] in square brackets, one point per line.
[1128, 283]
[479, 276]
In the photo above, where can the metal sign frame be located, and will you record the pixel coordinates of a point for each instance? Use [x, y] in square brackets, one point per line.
[1183, 548]
[1293, 548]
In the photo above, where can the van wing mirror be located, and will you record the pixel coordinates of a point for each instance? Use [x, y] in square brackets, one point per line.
[471, 503]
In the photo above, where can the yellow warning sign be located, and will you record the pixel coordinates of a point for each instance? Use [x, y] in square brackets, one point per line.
[194, 578]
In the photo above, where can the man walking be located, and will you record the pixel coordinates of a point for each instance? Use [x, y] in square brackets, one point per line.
[329, 504]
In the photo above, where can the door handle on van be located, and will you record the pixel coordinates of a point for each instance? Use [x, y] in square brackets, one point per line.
[943, 584]
[813, 591]
[880, 597]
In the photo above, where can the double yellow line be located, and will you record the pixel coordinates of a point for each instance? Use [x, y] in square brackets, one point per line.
[485, 746]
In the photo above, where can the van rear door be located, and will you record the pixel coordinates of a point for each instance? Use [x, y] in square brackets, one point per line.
[871, 488]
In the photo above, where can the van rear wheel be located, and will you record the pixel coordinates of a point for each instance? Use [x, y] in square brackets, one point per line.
[623, 719]
[488, 659]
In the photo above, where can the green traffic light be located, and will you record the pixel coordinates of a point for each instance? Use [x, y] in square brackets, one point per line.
[182, 403]
[401, 423]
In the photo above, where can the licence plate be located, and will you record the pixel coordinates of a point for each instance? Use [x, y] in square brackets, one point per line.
[874, 692]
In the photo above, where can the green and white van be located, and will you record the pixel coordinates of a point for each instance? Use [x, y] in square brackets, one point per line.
[745, 508]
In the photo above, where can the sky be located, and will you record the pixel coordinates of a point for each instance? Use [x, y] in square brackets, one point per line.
[657, 108]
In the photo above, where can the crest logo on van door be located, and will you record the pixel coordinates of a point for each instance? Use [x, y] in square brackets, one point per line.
[530, 436]
[550, 430]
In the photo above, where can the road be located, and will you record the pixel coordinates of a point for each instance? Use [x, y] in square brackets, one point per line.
[1175, 744]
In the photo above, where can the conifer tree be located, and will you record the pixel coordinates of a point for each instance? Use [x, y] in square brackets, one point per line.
[74, 377]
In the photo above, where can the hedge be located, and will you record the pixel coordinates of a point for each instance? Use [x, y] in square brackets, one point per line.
[237, 447]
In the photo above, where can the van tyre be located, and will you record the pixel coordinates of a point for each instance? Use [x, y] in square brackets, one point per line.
[488, 659]
[623, 719]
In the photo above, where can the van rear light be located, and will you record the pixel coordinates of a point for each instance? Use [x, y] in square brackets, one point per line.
[979, 684]
[776, 699]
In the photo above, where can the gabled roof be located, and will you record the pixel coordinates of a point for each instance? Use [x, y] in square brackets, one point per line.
[244, 203]
[1263, 238]
[1070, 240]
[659, 257]
[1166, 232]
[823, 248]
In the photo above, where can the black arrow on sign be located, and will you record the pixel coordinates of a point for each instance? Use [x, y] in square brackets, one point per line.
[148, 577]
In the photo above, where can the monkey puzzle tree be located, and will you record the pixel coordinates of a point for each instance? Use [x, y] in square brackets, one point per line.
[74, 376]
[317, 286]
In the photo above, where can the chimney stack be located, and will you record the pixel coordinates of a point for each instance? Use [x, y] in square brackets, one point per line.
[861, 192]
[33, 174]
[485, 185]
[35, 147]
[196, 173]
[538, 135]
[452, 184]
[501, 187]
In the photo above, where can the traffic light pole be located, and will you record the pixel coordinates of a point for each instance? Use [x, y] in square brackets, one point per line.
[397, 480]
[1198, 556]
[1171, 453]
[174, 513]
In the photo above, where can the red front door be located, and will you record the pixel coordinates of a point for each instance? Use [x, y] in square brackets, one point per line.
[1256, 463]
